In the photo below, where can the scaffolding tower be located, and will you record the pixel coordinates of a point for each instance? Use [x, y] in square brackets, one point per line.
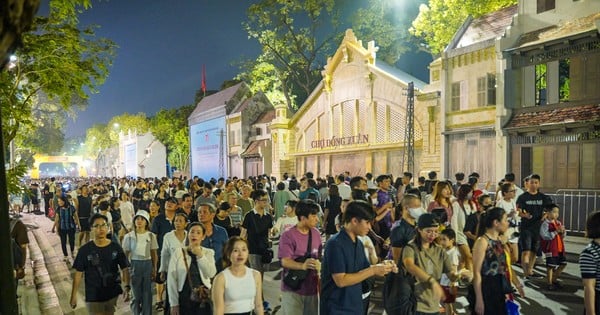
[221, 153]
[408, 158]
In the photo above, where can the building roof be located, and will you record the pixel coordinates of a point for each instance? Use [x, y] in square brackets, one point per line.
[243, 105]
[265, 117]
[216, 100]
[253, 149]
[489, 26]
[565, 29]
[563, 115]
[399, 74]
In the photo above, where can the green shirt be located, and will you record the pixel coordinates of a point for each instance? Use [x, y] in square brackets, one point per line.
[434, 261]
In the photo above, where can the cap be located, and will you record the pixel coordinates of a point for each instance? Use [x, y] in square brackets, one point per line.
[427, 220]
[142, 213]
[179, 194]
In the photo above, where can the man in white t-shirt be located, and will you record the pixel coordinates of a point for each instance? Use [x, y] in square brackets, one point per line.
[343, 188]
[127, 212]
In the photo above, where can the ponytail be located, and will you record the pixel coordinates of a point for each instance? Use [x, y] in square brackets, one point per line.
[487, 218]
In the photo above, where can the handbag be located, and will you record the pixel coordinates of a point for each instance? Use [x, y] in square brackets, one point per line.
[398, 291]
[294, 278]
[199, 294]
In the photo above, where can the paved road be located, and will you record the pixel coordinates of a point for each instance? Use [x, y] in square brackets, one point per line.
[46, 288]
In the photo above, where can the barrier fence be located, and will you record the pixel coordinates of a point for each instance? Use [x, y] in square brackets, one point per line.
[575, 206]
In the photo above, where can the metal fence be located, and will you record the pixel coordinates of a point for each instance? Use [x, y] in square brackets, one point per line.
[576, 205]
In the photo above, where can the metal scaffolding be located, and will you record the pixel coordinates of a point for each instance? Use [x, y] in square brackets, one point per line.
[408, 158]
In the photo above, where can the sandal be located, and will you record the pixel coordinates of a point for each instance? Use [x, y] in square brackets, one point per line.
[160, 306]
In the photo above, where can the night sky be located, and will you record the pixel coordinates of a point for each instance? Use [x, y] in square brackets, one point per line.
[162, 47]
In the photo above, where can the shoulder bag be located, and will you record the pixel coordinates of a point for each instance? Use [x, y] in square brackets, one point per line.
[199, 294]
[294, 278]
[398, 290]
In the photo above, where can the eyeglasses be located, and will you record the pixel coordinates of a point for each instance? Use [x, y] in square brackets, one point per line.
[262, 199]
[100, 226]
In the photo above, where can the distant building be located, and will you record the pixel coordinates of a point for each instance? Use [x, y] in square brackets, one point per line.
[141, 155]
[258, 154]
[220, 131]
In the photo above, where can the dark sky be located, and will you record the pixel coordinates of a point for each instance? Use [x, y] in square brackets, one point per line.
[162, 47]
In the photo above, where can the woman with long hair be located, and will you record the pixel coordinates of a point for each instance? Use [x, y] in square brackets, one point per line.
[442, 194]
[65, 222]
[491, 268]
[333, 205]
[238, 288]
[463, 207]
[190, 271]
[162, 195]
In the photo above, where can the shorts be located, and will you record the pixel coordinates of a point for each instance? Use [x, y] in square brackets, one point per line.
[529, 241]
[556, 261]
[450, 293]
[84, 224]
[109, 306]
[256, 262]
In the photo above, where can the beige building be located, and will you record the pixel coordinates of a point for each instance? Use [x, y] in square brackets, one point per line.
[355, 120]
[552, 68]
[466, 75]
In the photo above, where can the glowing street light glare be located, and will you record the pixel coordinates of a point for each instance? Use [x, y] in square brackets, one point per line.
[116, 125]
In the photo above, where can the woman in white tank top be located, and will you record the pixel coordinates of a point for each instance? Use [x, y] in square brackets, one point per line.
[238, 288]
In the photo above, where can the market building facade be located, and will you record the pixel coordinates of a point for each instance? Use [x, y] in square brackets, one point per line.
[355, 120]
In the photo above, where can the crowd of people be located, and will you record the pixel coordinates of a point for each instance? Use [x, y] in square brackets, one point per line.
[204, 245]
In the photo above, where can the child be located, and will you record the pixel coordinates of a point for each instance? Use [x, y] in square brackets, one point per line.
[140, 246]
[446, 240]
[552, 233]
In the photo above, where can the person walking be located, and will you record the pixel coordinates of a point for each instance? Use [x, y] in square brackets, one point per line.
[299, 249]
[99, 262]
[256, 229]
[140, 247]
[190, 271]
[238, 288]
[65, 223]
[589, 260]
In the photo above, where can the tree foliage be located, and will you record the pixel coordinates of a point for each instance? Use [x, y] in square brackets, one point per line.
[295, 37]
[170, 127]
[439, 20]
[387, 23]
[103, 136]
[59, 65]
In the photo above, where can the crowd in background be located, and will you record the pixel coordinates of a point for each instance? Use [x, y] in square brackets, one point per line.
[204, 245]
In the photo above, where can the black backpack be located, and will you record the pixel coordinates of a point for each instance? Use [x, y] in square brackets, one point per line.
[399, 290]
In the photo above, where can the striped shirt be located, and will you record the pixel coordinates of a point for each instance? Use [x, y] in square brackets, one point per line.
[589, 263]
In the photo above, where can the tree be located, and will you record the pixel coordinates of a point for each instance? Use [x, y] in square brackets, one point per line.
[437, 22]
[295, 37]
[58, 61]
[387, 23]
[170, 127]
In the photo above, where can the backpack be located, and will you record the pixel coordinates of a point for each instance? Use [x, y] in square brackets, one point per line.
[399, 290]
[17, 252]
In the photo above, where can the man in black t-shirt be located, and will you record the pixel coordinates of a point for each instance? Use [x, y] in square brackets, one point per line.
[137, 195]
[83, 205]
[100, 262]
[404, 230]
[256, 228]
[531, 206]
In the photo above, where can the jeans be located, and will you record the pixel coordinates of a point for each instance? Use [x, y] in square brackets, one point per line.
[64, 234]
[141, 285]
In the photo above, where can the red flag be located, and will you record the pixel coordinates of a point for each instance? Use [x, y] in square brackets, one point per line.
[203, 79]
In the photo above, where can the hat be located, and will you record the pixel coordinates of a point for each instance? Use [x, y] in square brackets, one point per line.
[179, 194]
[427, 220]
[142, 213]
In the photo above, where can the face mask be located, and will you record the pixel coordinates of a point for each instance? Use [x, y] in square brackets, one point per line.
[416, 212]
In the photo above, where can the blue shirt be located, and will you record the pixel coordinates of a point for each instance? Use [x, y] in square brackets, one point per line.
[342, 255]
[216, 242]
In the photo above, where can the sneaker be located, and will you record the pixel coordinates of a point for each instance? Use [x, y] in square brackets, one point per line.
[552, 287]
[557, 284]
[535, 276]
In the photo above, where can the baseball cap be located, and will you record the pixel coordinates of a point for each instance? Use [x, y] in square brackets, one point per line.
[427, 220]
